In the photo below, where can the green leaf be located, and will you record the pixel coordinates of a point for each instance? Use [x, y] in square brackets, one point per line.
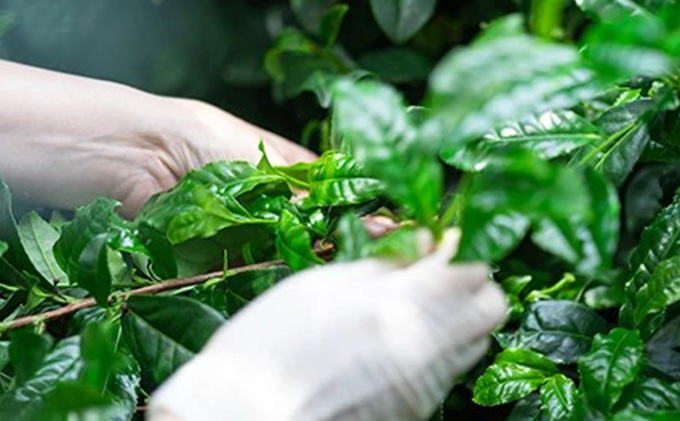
[514, 375]
[661, 291]
[489, 237]
[89, 222]
[27, 350]
[548, 135]
[23, 402]
[165, 332]
[537, 76]
[628, 136]
[641, 416]
[15, 266]
[106, 387]
[397, 64]
[528, 409]
[588, 245]
[211, 199]
[401, 244]
[402, 19]
[354, 243]
[336, 179]
[650, 395]
[160, 252]
[613, 363]
[98, 349]
[501, 201]
[8, 227]
[330, 24]
[372, 118]
[295, 175]
[240, 289]
[646, 193]
[3, 248]
[38, 238]
[73, 400]
[659, 241]
[633, 46]
[663, 350]
[294, 243]
[611, 9]
[558, 396]
[93, 273]
[560, 330]
[297, 64]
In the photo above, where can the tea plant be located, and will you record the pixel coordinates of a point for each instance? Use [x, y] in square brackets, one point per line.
[552, 147]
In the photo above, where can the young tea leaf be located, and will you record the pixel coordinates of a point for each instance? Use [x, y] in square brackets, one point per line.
[537, 76]
[548, 135]
[373, 119]
[294, 243]
[89, 222]
[337, 180]
[211, 199]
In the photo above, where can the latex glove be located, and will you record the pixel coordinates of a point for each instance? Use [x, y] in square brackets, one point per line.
[65, 140]
[370, 340]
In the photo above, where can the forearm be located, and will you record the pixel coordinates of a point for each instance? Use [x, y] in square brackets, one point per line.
[52, 123]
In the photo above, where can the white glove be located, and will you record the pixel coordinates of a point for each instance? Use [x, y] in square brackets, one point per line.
[369, 340]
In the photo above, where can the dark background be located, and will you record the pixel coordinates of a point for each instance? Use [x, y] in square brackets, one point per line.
[206, 49]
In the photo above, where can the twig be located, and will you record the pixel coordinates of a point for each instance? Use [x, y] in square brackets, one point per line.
[377, 227]
[169, 285]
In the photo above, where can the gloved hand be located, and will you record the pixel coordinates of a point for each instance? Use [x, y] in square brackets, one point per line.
[368, 340]
[65, 140]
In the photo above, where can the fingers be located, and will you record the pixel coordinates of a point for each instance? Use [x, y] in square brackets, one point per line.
[434, 280]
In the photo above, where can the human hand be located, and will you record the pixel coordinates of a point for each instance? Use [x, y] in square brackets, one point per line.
[65, 140]
[367, 340]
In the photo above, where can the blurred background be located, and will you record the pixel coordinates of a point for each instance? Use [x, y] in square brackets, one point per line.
[214, 50]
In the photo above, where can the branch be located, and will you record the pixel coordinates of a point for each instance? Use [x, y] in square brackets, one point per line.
[164, 286]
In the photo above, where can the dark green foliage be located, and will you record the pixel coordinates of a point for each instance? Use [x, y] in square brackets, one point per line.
[165, 332]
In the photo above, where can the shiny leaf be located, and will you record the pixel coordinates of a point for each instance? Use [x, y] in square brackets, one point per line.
[548, 135]
[514, 375]
[337, 180]
[612, 364]
[558, 396]
[560, 330]
[294, 243]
